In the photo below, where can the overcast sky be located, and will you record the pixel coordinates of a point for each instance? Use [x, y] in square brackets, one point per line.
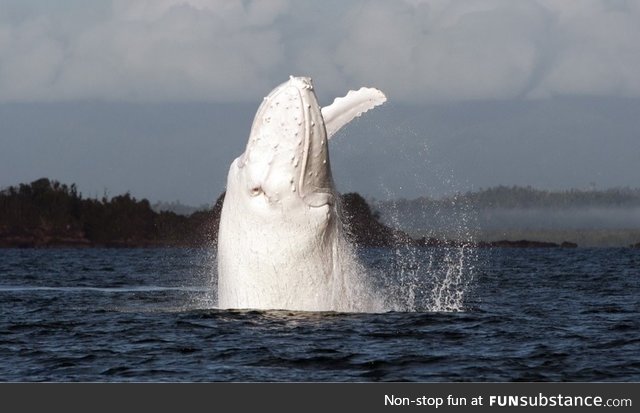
[157, 96]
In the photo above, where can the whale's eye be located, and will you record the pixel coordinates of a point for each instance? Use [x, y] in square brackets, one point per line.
[255, 191]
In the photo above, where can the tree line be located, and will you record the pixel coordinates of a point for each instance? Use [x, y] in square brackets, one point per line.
[47, 212]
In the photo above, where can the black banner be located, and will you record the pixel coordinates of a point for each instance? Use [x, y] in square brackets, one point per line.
[305, 397]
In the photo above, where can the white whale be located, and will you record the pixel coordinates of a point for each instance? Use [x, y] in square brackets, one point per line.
[280, 241]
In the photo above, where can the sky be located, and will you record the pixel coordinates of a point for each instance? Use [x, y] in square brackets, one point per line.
[156, 97]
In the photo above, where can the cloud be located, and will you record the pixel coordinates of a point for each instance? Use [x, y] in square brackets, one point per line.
[462, 51]
[593, 49]
[234, 50]
[145, 50]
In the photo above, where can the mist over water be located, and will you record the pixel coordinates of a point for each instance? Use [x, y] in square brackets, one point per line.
[417, 221]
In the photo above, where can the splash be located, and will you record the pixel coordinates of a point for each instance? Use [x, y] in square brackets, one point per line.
[435, 278]
[426, 278]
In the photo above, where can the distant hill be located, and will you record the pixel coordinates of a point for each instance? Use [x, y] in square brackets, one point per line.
[591, 218]
[517, 197]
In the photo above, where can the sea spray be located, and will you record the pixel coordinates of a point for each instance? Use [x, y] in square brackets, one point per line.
[431, 278]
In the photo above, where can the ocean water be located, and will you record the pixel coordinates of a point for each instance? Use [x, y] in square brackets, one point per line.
[474, 315]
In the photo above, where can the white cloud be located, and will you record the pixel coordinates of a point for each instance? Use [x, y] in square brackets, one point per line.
[462, 51]
[219, 50]
[596, 49]
[145, 50]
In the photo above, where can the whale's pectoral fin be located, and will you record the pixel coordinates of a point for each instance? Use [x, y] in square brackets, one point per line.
[344, 109]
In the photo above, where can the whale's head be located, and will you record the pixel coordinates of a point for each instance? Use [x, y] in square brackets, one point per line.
[286, 161]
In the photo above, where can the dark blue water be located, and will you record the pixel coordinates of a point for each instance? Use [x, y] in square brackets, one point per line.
[147, 315]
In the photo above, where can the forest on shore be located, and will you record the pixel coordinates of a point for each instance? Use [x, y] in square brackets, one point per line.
[48, 213]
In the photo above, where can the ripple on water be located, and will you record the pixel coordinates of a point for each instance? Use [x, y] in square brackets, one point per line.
[147, 315]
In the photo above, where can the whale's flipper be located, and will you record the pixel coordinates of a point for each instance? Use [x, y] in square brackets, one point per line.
[343, 110]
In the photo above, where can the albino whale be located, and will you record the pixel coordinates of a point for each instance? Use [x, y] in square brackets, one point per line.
[280, 241]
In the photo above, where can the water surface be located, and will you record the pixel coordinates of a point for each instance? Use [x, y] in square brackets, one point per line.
[149, 315]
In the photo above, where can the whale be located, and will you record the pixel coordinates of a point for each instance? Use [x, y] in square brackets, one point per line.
[281, 238]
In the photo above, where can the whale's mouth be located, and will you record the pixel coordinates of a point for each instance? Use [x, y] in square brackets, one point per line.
[287, 151]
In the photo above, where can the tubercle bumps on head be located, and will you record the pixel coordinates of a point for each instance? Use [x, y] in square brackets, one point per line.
[292, 128]
[301, 82]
